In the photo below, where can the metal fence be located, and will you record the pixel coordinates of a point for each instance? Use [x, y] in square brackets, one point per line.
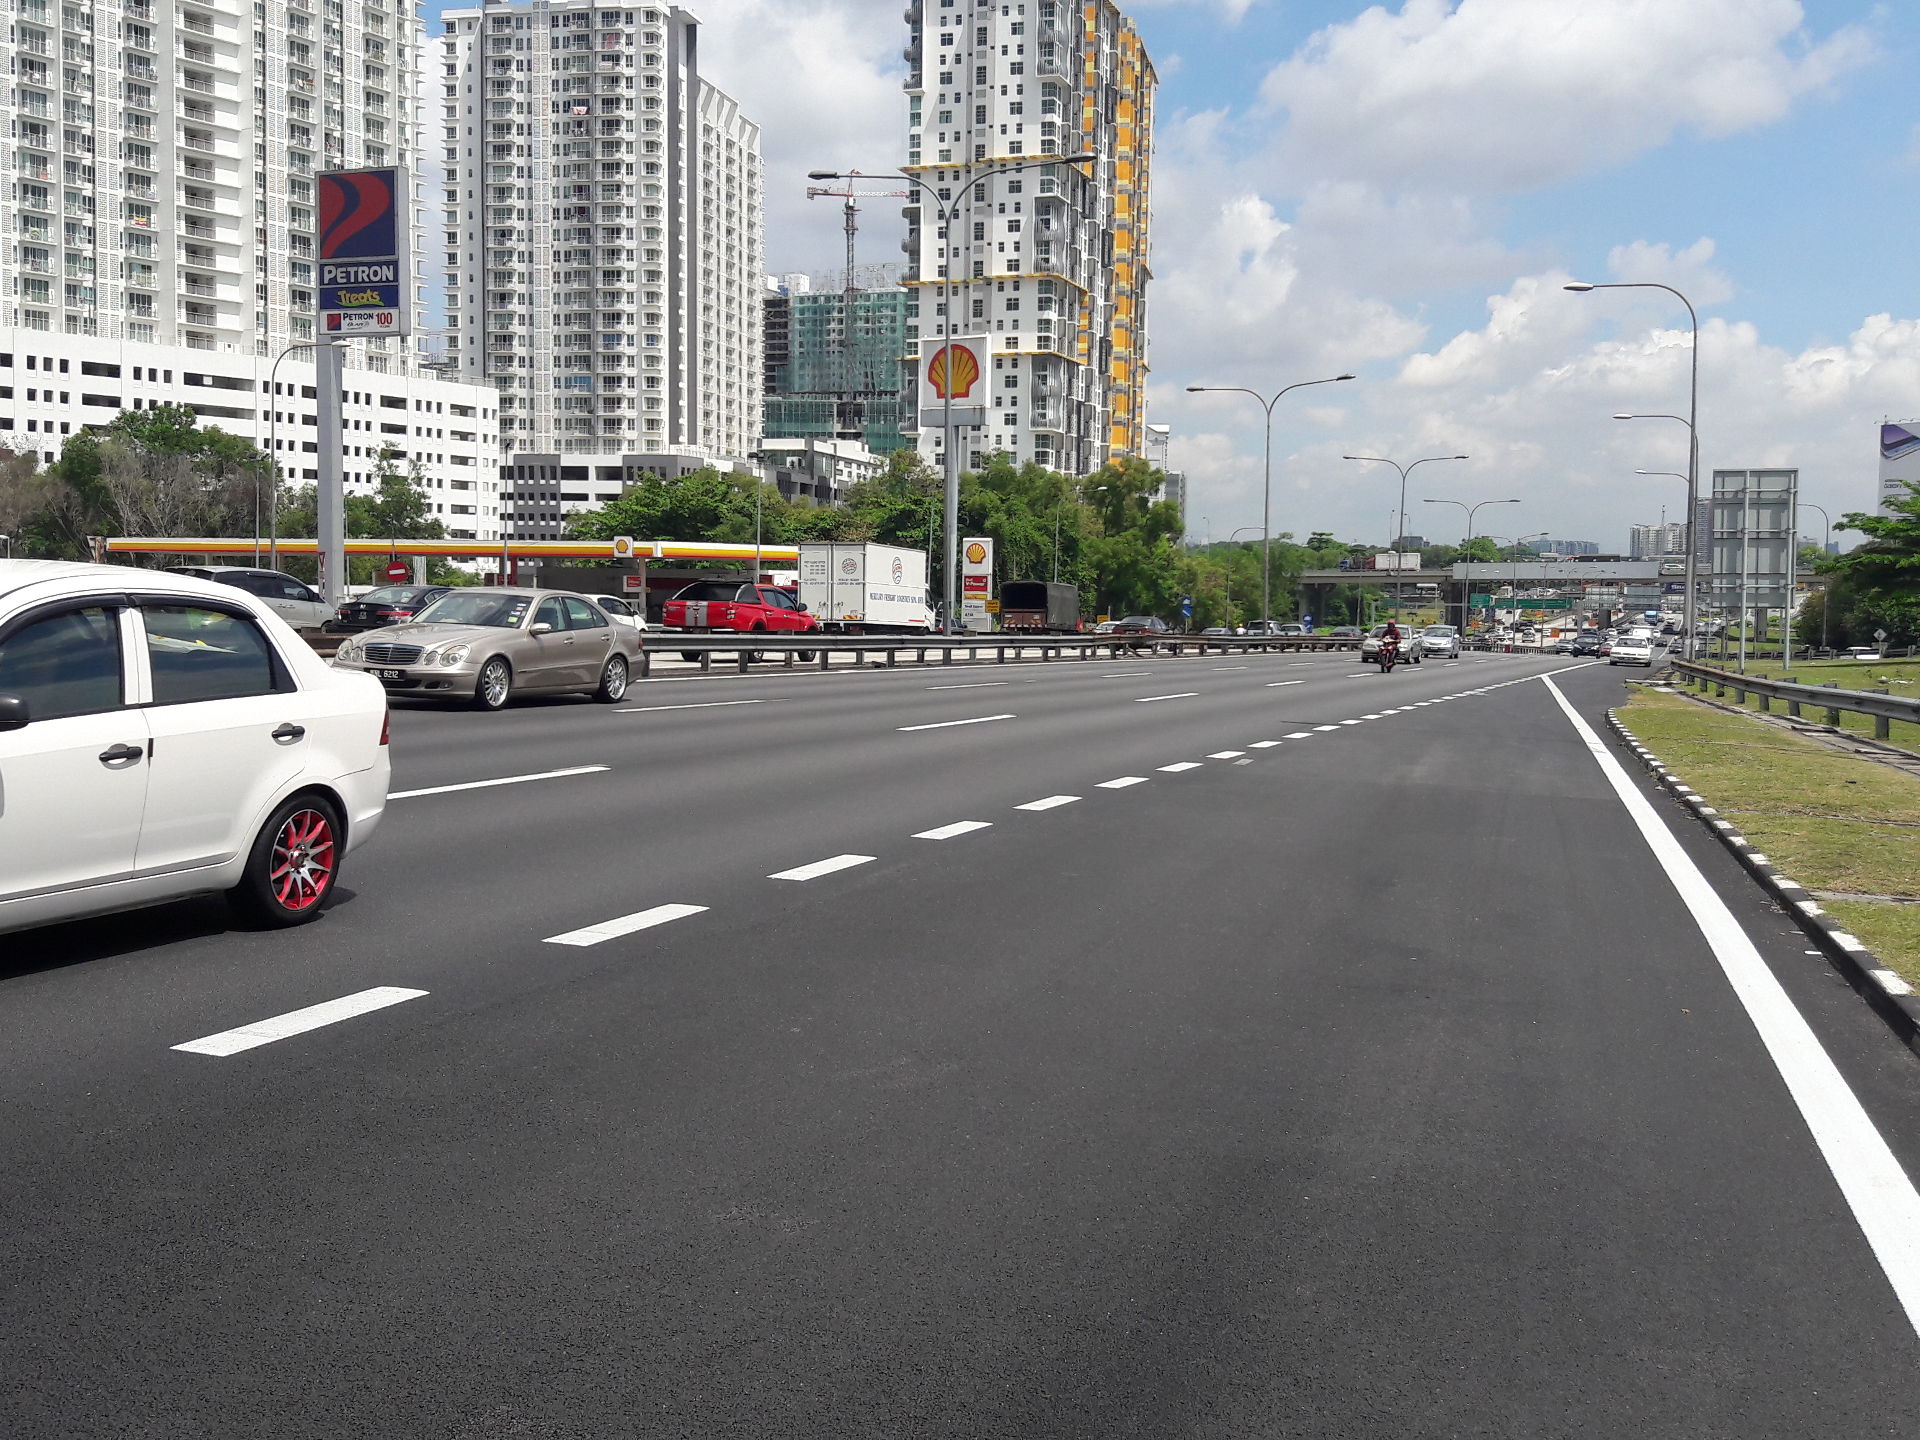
[1883, 707]
[747, 647]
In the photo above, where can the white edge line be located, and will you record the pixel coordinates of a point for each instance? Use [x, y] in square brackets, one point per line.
[948, 724]
[298, 1022]
[821, 867]
[958, 827]
[1879, 1192]
[503, 780]
[625, 925]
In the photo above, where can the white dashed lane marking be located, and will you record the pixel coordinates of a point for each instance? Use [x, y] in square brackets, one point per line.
[1263, 744]
[1226, 755]
[1149, 699]
[972, 685]
[503, 780]
[948, 724]
[822, 867]
[1301, 735]
[959, 827]
[1273, 684]
[1179, 765]
[298, 1022]
[1123, 782]
[626, 925]
[1052, 802]
[698, 705]
[1324, 728]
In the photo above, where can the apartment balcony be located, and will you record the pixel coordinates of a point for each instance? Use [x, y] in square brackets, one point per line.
[200, 315]
[34, 45]
[190, 199]
[32, 104]
[204, 84]
[141, 277]
[198, 110]
[137, 67]
[136, 9]
[192, 285]
[198, 228]
[197, 51]
[199, 24]
[198, 170]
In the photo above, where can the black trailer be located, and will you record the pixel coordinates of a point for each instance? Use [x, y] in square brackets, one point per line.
[1048, 607]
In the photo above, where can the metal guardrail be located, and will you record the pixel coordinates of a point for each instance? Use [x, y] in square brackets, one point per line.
[820, 649]
[1882, 706]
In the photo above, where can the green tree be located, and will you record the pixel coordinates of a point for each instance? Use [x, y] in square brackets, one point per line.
[1876, 585]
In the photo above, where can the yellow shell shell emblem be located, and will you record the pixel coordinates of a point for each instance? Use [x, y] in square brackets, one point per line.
[952, 372]
[976, 553]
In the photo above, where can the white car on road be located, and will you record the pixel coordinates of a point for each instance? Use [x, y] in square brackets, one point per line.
[164, 736]
[1631, 650]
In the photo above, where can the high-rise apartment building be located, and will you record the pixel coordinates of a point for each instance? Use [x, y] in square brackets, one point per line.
[157, 184]
[603, 239]
[1566, 547]
[1648, 542]
[1048, 262]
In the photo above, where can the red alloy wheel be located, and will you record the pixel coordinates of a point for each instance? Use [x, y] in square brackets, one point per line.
[302, 870]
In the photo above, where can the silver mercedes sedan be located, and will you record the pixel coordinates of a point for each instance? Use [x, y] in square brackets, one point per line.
[486, 646]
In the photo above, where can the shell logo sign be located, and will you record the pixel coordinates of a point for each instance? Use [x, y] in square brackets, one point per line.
[953, 372]
[976, 553]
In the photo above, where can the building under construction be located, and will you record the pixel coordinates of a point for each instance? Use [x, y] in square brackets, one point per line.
[832, 361]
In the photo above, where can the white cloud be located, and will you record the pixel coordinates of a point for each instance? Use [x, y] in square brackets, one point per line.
[1513, 95]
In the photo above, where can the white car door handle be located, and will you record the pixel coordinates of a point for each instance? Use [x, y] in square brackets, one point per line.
[290, 731]
[121, 755]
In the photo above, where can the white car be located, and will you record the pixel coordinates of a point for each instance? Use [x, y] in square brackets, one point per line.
[1631, 650]
[622, 612]
[1440, 640]
[164, 736]
[294, 601]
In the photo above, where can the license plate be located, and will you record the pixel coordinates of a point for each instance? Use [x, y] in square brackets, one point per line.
[389, 674]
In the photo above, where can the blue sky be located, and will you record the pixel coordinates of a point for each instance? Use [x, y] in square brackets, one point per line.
[1400, 190]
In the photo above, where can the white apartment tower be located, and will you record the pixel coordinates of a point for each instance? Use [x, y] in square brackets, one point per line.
[1049, 262]
[157, 182]
[603, 237]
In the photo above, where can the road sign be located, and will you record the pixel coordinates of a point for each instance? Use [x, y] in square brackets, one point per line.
[1880, 636]
[1186, 606]
[1479, 601]
[634, 584]
[1517, 603]
[993, 607]
[398, 570]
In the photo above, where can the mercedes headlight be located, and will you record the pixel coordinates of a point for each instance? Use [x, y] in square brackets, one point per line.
[453, 654]
[347, 651]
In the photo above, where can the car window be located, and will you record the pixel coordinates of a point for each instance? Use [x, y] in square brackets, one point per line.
[504, 612]
[199, 653]
[582, 616]
[551, 613]
[712, 590]
[613, 606]
[64, 664]
[779, 599]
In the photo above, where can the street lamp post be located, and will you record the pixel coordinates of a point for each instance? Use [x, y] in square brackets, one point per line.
[1826, 594]
[947, 214]
[273, 446]
[1466, 591]
[1692, 422]
[1266, 484]
[1228, 568]
[1403, 469]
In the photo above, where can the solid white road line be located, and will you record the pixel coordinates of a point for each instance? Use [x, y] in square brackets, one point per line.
[945, 724]
[1128, 675]
[1273, 684]
[1879, 1192]
[822, 867]
[1052, 802]
[1263, 744]
[1179, 765]
[1149, 699]
[503, 780]
[1123, 782]
[700, 705]
[1226, 755]
[972, 685]
[298, 1022]
[959, 827]
[626, 925]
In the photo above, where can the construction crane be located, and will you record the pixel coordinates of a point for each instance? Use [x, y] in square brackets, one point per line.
[850, 402]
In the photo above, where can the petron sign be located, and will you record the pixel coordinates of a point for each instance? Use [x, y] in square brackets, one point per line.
[366, 260]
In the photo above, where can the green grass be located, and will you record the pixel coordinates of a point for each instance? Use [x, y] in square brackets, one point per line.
[1827, 819]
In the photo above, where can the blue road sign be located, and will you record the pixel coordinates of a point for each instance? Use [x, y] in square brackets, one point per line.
[1186, 606]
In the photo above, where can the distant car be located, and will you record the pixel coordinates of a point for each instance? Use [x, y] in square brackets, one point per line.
[622, 611]
[1440, 640]
[485, 646]
[1347, 635]
[161, 736]
[719, 606]
[1276, 627]
[1222, 630]
[1587, 642]
[387, 605]
[1631, 650]
[1410, 645]
[294, 601]
[1142, 625]
[1566, 645]
[1105, 627]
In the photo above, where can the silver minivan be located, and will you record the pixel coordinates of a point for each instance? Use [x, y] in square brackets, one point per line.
[294, 601]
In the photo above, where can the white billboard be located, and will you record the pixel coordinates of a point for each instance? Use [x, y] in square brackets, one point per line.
[956, 368]
[1899, 459]
[976, 583]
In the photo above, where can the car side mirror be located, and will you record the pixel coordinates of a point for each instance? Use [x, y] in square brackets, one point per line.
[540, 627]
[13, 712]
[802, 608]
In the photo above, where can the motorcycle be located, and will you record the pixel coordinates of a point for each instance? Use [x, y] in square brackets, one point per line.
[1388, 656]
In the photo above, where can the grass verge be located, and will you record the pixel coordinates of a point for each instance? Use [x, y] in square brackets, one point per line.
[1829, 820]
[1899, 678]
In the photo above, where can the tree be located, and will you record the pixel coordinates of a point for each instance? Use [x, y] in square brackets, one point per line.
[1875, 586]
[1480, 549]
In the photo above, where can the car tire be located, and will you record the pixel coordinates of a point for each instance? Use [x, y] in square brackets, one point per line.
[805, 657]
[692, 657]
[293, 864]
[493, 687]
[613, 681]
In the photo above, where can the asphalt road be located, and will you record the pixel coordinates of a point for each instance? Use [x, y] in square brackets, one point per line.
[793, 1069]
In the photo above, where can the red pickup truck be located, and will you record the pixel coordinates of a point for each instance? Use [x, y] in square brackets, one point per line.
[707, 606]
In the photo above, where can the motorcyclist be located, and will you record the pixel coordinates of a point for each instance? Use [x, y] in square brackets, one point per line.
[1390, 639]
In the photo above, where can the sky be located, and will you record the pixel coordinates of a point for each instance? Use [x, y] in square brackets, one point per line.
[1401, 190]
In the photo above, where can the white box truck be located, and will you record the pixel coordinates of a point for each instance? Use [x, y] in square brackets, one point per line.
[864, 588]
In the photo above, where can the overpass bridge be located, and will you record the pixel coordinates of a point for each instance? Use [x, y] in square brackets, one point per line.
[1456, 582]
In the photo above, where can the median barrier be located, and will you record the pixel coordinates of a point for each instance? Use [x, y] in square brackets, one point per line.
[1882, 706]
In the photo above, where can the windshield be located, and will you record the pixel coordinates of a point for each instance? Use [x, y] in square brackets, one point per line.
[1438, 630]
[504, 612]
[394, 595]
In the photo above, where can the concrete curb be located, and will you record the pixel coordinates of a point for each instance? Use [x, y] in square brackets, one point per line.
[1889, 995]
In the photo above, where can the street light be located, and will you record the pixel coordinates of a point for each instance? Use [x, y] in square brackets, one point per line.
[1266, 486]
[1227, 567]
[1403, 469]
[1513, 559]
[1691, 421]
[1466, 589]
[962, 194]
[1826, 593]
